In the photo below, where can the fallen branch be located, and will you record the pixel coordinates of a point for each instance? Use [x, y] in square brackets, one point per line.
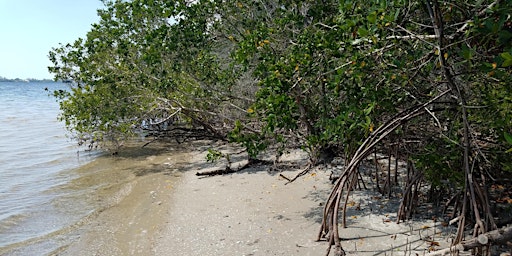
[284, 177]
[498, 236]
[302, 173]
[229, 170]
[226, 170]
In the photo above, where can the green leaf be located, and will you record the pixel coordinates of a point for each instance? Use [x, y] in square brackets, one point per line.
[397, 13]
[467, 53]
[508, 59]
[507, 63]
[508, 137]
[362, 31]
[372, 18]
[506, 55]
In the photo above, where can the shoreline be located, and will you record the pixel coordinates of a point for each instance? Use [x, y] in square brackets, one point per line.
[134, 209]
[129, 227]
[175, 212]
[171, 211]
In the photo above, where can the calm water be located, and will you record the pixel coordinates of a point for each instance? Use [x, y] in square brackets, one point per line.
[37, 162]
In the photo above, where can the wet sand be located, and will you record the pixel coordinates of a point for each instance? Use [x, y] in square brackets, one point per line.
[135, 207]
[168, 210]
[129, 227]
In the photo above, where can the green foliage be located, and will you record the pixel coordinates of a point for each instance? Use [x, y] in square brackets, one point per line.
[315, 71]
[213, 155]
[508, 138]
[144, 62]
[330, 73]
[251, 141]
[313, 74]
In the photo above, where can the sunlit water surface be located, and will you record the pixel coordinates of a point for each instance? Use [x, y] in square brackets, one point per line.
[38, 161]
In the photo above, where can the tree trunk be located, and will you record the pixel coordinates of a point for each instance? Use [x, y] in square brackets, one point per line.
[498, 236]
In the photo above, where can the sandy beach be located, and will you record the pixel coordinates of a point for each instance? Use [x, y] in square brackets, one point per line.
[168, 210]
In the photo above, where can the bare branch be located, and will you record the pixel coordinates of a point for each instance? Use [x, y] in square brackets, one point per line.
[499, 236]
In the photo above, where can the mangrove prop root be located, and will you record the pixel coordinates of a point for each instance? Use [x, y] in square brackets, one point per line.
[344, 184]
[410, 193]
[472, 200]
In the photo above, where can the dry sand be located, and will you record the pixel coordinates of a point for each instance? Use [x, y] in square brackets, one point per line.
[171, 211]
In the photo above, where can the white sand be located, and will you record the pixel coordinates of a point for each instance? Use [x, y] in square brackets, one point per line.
[251, 212]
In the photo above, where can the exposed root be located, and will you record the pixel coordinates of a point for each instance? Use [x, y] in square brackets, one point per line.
[410, 197]
[348, 179]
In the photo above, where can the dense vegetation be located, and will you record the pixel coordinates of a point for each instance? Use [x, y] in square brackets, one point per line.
[426, 81]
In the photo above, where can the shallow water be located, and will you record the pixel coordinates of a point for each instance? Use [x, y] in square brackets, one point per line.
[50, 189]
[36, 158]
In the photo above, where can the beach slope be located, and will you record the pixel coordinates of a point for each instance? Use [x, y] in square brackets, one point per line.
[168, 210]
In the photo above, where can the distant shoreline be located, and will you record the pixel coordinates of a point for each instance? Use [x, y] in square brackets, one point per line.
[29, 80]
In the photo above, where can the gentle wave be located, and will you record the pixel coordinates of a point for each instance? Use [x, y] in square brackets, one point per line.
[49, 187]
[36, 156]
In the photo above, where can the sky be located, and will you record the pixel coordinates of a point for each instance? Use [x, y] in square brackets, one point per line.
[29, 29]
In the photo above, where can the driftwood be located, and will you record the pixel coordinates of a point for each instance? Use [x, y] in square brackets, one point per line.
[498, 236]
[224, 171]
[302, 173]
[228, 170]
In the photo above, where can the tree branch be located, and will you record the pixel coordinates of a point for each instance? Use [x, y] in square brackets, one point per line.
[499, 236]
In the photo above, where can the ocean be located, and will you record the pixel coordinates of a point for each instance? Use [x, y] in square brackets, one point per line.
[38, 162]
